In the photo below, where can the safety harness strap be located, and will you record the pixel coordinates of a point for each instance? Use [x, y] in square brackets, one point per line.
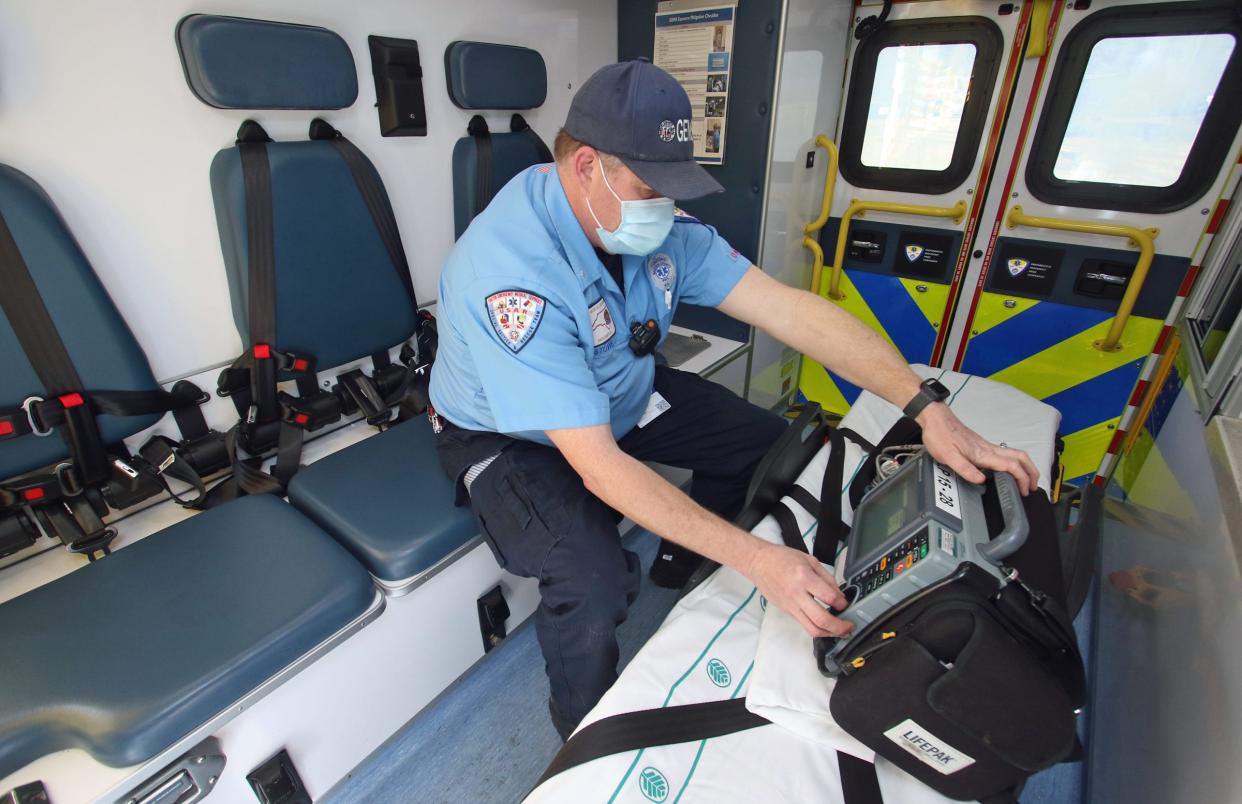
[518, 125]
[653, 727]
[477, 128]
[36, 332]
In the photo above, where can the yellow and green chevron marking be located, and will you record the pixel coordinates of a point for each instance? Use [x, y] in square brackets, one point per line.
[1046, 349]
[905, 311]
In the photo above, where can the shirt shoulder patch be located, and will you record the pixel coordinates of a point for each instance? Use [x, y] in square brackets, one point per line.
[515, 315]
[681, 215]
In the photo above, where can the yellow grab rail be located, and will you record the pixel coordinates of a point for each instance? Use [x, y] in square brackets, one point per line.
[857, 208]
[825, 206]
[1143, 238]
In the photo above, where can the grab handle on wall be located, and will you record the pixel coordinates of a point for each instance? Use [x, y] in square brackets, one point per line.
[857, 208]
[1143, 238]
[825, 206]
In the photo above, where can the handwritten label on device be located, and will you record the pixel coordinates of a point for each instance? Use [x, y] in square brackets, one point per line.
[946, 491]
[928, 748]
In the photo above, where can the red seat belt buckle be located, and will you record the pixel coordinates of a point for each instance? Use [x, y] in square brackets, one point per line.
[262, 351]
[6, 428]
[32, 494]
[71, 400]
[300, 364]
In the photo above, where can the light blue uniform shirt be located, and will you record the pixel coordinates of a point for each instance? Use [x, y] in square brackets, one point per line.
[534, 332]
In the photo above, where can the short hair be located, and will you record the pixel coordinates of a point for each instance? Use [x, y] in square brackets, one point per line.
[566, 145]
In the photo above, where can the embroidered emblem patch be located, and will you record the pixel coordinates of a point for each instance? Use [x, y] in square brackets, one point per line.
[602, 325]
[668, 130]
[515, 316]
[1017, 266]
[913, 252]
[662, 271]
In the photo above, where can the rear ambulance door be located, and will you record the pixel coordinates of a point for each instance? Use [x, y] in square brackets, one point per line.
[924, 97]
[1121, 138]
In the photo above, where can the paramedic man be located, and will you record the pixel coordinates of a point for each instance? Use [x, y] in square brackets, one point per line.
[546, 414]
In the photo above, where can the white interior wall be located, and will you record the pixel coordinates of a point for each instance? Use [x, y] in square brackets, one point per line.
[808, 100]
[94, 106]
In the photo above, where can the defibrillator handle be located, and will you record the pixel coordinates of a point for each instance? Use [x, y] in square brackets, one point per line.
[1013, 534]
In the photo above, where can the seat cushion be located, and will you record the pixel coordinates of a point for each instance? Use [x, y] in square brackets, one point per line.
[127, 655]
[387, 500]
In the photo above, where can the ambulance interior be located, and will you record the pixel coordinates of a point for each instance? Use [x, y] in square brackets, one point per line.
[222, 227]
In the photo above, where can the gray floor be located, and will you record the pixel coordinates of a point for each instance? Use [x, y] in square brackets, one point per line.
[488, 737]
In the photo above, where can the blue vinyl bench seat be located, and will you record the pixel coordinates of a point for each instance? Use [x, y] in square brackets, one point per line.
[387, 501]
[126, 656]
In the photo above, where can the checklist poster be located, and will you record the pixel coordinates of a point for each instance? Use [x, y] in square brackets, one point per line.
[694, 44]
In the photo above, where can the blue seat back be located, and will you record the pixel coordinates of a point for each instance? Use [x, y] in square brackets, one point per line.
[338, 295]
[483, 75]
[99, 343]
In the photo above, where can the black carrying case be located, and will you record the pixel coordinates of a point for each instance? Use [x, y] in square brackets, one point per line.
[969, 686]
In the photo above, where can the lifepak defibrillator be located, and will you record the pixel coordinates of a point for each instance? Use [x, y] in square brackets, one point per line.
[915, 529]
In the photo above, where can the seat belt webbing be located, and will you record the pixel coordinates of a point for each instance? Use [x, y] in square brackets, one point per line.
[375, 198]
[477, 129]
[518, 125]
[653, 727]
[36, 332]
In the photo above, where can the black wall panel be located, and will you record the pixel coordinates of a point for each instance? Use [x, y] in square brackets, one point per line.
[735, 212]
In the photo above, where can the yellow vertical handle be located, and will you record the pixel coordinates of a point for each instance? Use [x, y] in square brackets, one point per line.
[825, 207]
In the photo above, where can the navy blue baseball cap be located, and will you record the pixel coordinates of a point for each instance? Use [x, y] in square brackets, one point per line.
[638, 113]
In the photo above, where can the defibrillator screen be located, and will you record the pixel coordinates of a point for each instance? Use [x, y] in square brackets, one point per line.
[885, 512]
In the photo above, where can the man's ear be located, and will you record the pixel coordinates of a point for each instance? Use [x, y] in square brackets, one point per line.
[583, 162]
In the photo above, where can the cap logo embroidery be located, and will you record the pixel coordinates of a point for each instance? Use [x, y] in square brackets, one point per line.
[515, 315]
[668, 131]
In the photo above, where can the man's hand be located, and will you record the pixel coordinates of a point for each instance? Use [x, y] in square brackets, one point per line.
[799, 585]
[966, 452]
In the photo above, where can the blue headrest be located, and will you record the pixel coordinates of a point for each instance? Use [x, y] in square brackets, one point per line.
[102, 348]
[482, 75]
[338, 295]
[237, 63]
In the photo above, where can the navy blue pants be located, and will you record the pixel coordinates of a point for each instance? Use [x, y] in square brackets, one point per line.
[541, 522]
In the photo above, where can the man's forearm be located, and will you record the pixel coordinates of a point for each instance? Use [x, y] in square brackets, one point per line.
[819, 328]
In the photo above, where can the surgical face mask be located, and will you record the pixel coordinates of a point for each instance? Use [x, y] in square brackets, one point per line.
[644, 223]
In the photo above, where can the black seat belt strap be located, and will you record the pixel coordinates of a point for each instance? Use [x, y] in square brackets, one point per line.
[831, 530]
[859, 783]
[261, 271]
[518, 125]
[36, 332]
[373, 195]
[477, 128]
[652, 727]
[671, 725]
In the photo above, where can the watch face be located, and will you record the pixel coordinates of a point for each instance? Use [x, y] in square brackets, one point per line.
[937, 388]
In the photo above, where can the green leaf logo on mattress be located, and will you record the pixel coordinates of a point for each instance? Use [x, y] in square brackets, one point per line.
[718, 673]
[653, 784]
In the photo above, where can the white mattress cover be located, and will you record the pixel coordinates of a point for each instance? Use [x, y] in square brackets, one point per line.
[721, 641]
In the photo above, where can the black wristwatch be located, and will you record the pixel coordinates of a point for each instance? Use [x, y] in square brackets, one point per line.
[929, 391]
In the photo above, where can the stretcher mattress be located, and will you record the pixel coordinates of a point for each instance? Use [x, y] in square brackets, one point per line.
[709, 648]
